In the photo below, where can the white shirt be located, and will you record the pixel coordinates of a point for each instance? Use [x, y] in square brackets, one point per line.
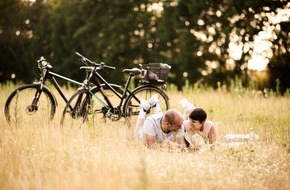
[152, 126]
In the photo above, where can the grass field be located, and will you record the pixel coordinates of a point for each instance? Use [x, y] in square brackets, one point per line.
[47, 156]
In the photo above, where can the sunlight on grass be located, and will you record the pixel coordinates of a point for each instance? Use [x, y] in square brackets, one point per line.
[42, 155]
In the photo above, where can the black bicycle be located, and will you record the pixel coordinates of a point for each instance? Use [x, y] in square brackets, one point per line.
[35, 101]
[107, 100]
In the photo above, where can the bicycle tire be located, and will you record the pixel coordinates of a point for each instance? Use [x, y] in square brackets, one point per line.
[78, 113]
[132, 104]
[18, 109]
[94, 111]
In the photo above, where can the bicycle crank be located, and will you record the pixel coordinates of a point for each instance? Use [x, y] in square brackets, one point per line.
[114, 115]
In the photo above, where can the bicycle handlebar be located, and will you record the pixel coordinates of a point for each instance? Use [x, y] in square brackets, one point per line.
[43, 64]
[85, 60]
[100, 66]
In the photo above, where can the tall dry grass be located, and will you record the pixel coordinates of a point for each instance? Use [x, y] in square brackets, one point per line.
[39, 155]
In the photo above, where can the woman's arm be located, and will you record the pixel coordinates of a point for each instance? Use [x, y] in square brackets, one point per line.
[212, 135]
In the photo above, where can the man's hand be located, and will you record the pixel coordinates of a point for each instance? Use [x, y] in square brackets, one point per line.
[168, 144]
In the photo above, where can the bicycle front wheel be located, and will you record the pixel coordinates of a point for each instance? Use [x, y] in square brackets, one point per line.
[132, 104]
[76, 110]
[91, 106]
[28, 103]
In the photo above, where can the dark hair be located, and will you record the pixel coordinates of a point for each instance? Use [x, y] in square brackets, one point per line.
[198, 114]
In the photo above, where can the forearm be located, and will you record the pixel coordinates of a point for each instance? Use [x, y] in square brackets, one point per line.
[212, 136]
[173, 145]
[151, 142]
[166, 145]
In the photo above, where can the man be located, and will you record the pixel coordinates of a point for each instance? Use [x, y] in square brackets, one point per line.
[160, 130]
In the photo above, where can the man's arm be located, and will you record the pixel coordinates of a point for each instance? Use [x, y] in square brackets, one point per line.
[149, 140]
[152, 143]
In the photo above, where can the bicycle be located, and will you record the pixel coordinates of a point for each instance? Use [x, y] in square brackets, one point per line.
[34, 101]
[107, 102]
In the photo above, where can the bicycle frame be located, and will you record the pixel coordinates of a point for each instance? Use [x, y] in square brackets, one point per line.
[125, 104]
[51, 76]
[99, 81]
[36, 98]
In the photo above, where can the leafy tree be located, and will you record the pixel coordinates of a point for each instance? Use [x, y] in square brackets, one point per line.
[194, 37]
[279, 66]
[15, 33]
[216, 25]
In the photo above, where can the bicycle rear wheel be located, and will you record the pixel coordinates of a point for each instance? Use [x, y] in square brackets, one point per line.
[22, 105]
[132, 104]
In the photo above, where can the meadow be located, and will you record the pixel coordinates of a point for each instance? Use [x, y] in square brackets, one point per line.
[41, 155]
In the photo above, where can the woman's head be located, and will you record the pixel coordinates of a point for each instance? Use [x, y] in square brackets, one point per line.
[196, 119]
[198, 114]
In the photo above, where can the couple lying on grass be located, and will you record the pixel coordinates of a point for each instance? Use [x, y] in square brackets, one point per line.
[172, 130]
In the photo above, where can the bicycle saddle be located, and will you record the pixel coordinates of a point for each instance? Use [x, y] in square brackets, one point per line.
[133, 71]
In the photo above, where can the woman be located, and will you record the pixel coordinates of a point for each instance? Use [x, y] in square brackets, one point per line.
[196, 126]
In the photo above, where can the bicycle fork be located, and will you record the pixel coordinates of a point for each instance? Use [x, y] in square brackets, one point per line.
[81, 107]
[33, 107]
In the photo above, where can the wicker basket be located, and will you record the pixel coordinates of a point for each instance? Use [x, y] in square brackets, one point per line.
[155, 73]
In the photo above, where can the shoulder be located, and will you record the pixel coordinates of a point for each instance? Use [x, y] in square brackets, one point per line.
[152, 124]
[208, 124]
[153, 120]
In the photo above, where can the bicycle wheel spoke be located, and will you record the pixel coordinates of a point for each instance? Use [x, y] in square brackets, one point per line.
[87, 109]
[77, 116]
[20, 107]
[132, 104]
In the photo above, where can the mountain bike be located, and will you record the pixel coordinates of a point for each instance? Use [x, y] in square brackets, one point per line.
[111, 100]
[36, 101]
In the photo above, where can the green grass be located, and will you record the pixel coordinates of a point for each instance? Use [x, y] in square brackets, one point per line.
[47, 156]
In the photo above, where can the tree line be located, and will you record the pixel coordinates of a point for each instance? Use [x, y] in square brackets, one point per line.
[195, 37]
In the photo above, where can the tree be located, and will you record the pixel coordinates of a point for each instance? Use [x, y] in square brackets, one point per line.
[15, 33]
[279, 66]
[195, 37]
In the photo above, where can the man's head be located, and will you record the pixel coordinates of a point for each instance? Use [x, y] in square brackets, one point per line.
[173, 120]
